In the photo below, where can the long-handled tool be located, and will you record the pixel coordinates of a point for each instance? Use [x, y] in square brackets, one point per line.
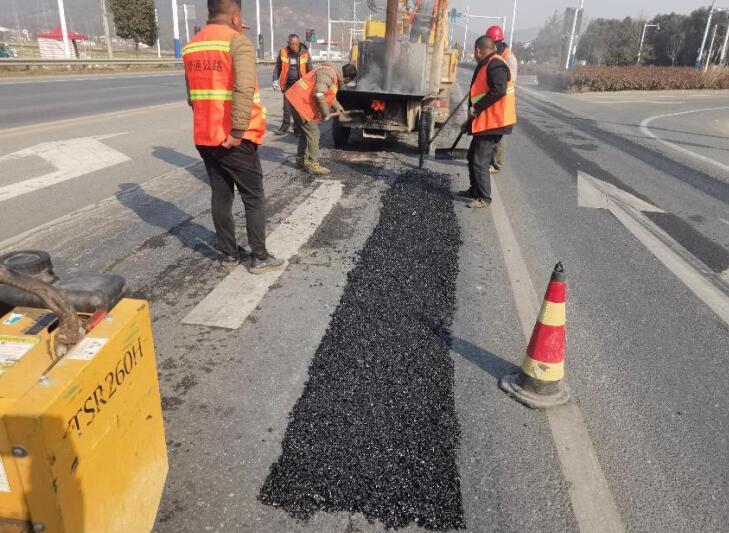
[347, 112]
[452, 152]
[430, 141]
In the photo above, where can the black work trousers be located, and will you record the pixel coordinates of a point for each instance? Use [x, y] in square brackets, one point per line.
[239, 167]
[479, 158]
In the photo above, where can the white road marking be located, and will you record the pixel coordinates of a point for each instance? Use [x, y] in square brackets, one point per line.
[72, 158]
[724, 221]
[230, 303]
[634, 102]
[589, 196]
[87, 77]
[701, 280]
[704, 159]
[592, 501]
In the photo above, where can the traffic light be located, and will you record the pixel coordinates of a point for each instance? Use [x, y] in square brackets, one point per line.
[310, 36]
[454, 15]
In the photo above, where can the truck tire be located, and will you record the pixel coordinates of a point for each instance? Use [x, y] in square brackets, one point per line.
[340, 134]
[34, 263]
[425, 129]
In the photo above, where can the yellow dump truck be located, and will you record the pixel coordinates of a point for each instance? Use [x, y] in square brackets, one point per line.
[404, 76]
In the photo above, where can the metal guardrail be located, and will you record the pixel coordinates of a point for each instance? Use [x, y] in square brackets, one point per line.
[95, 62]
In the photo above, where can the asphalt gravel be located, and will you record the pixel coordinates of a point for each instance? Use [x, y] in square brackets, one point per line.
[375, 430]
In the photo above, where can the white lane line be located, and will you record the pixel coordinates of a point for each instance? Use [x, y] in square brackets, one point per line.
[612, 102]
[72, 158]
[644, 128]
[592, 501]
[230, 303]
[692, 272]
[724, 221]
[20, 81]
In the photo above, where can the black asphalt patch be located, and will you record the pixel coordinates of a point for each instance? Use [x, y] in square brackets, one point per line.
[375, 430]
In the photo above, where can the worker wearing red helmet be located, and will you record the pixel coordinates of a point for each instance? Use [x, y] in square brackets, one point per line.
[502, 49]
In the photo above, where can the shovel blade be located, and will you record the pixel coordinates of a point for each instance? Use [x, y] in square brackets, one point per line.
[452, 154]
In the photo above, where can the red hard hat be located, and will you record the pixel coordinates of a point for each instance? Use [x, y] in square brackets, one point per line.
[496, 33]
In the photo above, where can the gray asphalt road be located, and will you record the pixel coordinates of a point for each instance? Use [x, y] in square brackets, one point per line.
[647, 356]
[29, 101]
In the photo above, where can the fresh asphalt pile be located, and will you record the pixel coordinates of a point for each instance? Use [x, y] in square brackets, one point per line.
[375, 430]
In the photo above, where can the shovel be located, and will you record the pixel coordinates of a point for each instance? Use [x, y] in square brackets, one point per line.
[453, 114]
[452, 152]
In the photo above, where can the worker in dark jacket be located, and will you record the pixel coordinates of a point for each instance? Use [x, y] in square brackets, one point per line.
[491, 114]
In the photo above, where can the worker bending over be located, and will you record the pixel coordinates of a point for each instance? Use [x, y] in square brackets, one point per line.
[491, 115]
[312, 98]
[229, 124]
[497, 35]
[292, 63]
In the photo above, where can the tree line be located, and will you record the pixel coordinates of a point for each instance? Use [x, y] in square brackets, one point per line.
[616, 42]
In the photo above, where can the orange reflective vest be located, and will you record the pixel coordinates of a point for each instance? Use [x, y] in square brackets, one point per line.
[501, 113]
[507, 54]
[285, 62]
[210, 82]
[302, 95]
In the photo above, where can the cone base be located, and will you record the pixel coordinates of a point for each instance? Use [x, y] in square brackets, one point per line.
[512, 385]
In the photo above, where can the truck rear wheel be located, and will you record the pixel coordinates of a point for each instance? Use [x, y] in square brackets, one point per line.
[340, 134]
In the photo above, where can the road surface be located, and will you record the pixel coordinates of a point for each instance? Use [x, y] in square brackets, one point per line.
[361, 391]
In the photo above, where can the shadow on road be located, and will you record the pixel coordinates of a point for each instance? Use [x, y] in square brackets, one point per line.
[485, 360]
[167, 216]
[173, 157]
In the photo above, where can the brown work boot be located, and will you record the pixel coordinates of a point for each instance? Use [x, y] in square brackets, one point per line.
[313, 167]
[479, 203]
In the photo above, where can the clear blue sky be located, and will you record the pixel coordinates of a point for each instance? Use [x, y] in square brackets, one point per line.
[532, 13]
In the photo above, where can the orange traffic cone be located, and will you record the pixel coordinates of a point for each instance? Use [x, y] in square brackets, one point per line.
[540, 382]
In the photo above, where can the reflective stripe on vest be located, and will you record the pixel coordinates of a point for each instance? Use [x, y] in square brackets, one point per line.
[285, 62]
[302, 98]
[209, 73]
[501, 113]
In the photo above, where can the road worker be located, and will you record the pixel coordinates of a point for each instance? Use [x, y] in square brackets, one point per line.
[312, 98]
[491, 115]
[229, 124]
[422, 20]
[497, 35]
[292, 63]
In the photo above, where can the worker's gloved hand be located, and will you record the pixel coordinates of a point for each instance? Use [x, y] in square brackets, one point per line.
[276, 86]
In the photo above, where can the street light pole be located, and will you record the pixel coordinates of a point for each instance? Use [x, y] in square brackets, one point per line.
[642, 39]
[156, 21]
[513, 21]
[176, 30]
[107, 33]
[64, 30]
[572, 34]
[259, 52]
[706, 35]
[187, 26]
[329, 30]
[711, 49]
[723, 48]
[270, 11]
[465, 31]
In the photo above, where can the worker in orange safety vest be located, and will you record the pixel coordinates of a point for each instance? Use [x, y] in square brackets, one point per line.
[497, 35]
[312, 99]
[229, 124]
[292, 64]
[491, 115]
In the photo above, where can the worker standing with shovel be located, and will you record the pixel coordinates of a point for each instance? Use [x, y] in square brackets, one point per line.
[491, 115]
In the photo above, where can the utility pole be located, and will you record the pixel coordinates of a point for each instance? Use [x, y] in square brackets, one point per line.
[711, 49]
[465, 31]
[176, 30]
[572, 34]
[642, 39]
[513, 21]
[706, 35]
[64, 30]
[270, 12]
[723, 48]
[107, 33]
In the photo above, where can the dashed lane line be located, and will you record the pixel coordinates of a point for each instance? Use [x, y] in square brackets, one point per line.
[230, 303]
[645, 129]
[592, 501]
